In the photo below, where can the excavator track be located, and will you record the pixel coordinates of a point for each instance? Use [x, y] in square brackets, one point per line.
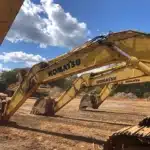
[131, 138]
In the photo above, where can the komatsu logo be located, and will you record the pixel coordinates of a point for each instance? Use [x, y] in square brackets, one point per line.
[133, 80]
[69, 65]
[107, 79]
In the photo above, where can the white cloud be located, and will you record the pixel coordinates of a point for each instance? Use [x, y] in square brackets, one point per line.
[47, 24]
[15, 57]
[2, 68]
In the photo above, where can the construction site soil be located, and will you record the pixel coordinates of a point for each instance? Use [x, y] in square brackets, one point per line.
[71, 129]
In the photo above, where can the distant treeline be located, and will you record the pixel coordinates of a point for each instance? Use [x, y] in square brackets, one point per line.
[10, 77]
[7, 78]
[139, 89]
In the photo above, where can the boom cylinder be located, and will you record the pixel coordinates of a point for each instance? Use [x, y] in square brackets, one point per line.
[134, 61]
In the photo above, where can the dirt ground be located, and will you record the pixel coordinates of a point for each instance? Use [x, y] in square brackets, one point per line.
[70, 129]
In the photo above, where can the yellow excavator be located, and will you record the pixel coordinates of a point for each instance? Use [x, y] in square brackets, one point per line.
[98, 52]
[129, 46]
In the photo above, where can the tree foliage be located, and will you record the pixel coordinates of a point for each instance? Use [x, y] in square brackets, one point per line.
[139, 89]
[7, 78]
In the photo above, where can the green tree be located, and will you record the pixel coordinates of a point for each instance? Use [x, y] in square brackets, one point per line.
[7, 78]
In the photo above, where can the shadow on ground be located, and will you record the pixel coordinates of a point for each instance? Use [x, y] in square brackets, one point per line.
[63, 135]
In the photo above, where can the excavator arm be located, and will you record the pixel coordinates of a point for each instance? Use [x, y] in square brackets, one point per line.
[113, 48]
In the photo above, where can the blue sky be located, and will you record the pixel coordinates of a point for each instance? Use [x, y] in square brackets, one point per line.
[64, 24]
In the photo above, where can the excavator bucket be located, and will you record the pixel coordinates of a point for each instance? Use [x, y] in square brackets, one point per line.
[91, 100]
[85, 102]
[44, 106]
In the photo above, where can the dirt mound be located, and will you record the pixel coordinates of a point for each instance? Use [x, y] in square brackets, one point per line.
[125, 95]
[43, 106]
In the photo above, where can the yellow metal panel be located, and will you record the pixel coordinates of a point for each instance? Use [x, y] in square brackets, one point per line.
[8, 11]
